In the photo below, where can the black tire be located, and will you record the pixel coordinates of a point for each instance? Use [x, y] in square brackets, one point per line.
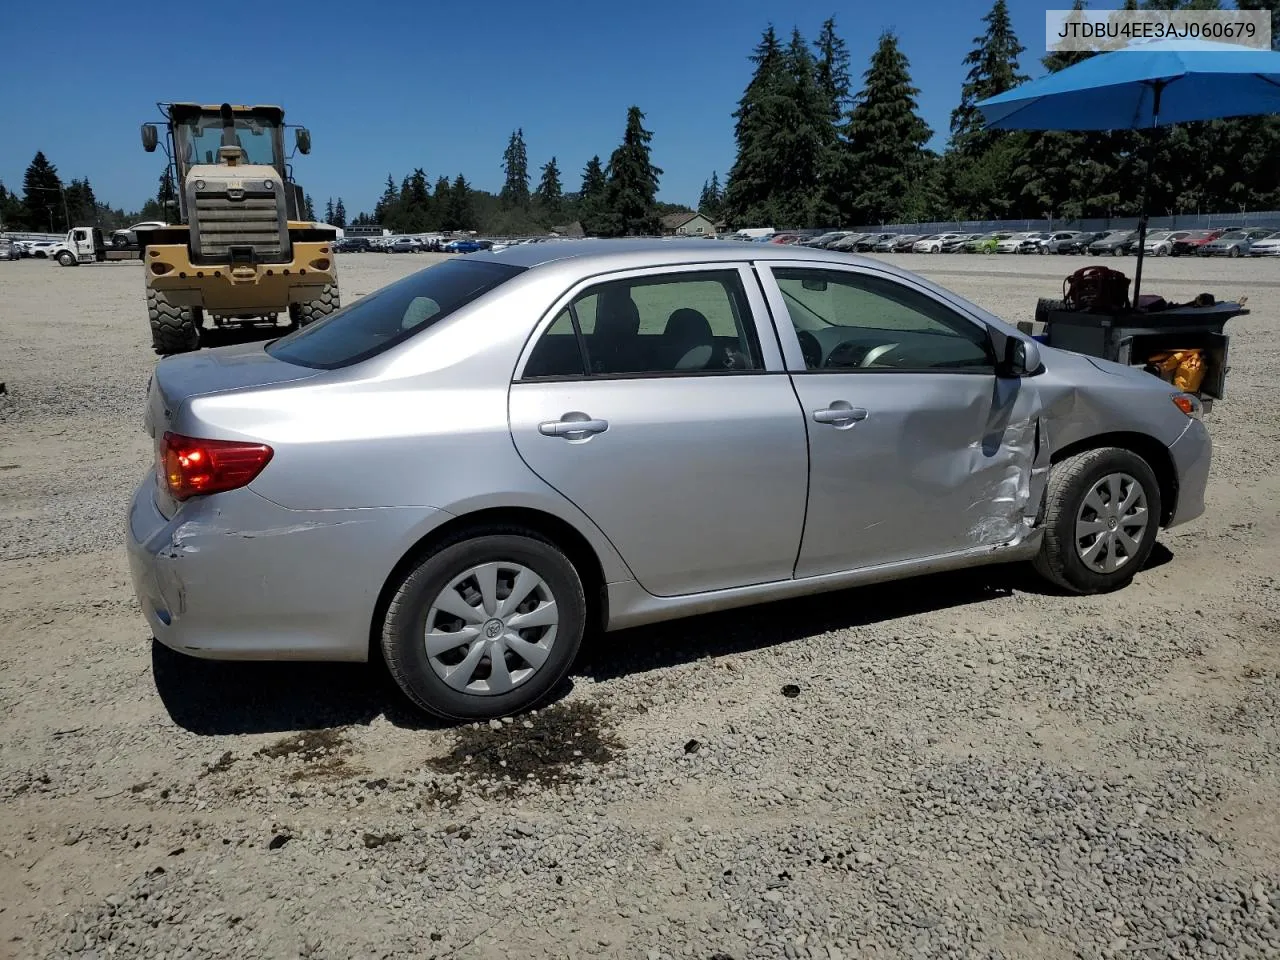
[403, 628]
[119, 242]
[308, 313]
[1235, 252]
[174, 329]
[1069, 483]
[67, 259]
[1116, 252]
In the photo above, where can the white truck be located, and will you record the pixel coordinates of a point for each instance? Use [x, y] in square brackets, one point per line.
[80, 245]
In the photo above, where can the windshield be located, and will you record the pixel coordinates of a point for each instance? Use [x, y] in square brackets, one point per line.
[391, 315]
[200, 137]
[1233, 235]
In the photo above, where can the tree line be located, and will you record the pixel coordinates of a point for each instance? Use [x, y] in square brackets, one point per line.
[811, 152]
[613, 199]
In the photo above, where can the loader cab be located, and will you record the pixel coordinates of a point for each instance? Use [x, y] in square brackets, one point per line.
[198, 134]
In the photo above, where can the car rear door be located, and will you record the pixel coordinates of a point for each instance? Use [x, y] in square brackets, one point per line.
[917, 448]
[657, 402]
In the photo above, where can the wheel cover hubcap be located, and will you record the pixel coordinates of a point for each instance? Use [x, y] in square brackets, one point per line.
[491, 628]
[1111, 523]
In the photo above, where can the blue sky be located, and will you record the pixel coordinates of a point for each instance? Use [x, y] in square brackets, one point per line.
[387, 86]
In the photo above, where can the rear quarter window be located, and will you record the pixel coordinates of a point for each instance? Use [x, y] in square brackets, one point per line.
[391, 315]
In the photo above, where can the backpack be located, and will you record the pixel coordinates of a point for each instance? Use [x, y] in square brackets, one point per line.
[1096, 288]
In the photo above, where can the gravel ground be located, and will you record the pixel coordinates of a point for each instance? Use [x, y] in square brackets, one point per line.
[965, 766]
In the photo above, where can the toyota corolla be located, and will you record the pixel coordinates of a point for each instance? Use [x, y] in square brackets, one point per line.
[464, 471]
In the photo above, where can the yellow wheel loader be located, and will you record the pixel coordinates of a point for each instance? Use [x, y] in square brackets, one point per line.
[241, 252]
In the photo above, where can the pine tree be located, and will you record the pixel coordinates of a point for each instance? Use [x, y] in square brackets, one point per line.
[833, 81]
[461, 209]
[417, 210]
[81, 204]
[981, 165]
[328, 211]
[592, 199]
[309, 209]
[515, 163]
[749, 195]
[804, 134]
[12, 212]
[549, 193]
[41, 195]
[993, 69]
[712, 198]
[339, 214]
[385, 208]
[633, 182]
[886, 137]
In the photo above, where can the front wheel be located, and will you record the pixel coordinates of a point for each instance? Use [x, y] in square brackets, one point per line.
[1235, 252]
[67, 259]
[485, 626]
[1103, 514]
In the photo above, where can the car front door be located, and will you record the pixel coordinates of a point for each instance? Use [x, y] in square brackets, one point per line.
[656, 403]
[917, 448]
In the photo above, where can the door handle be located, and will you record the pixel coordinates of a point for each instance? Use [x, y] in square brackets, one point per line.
[840, 414]
[573, 427]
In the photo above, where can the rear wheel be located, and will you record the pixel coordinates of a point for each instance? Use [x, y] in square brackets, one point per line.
[1102, 517]
[174, 328]
[305, 314]
[485, 626]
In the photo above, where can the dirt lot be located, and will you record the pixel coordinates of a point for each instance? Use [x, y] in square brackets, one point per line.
[963, 766]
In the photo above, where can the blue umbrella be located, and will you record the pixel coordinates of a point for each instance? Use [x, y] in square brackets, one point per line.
[1144, 85]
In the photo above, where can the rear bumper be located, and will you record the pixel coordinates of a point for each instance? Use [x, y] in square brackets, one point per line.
[237, 577]
[1192, 454]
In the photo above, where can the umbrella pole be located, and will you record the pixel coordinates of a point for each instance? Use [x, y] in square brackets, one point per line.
[1146, 178]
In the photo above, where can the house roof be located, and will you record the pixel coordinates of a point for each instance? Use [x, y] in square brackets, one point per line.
[674, 221]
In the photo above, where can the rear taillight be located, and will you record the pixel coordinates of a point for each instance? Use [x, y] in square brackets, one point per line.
[190, 467]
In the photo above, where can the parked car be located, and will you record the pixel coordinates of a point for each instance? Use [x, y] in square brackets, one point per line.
[848, 244]
[1034, 243]
[1114, 242]
[41, 249]
[463, 246]
[1160, 243]
[353, 245]
[404, 245]
[956, 244]
[627, 477]
[1266, 246]
[128, 237]
[824, 240]
[1057, 242]
[1233, 243]
[906, 242]
[9, 249]
[986, 243]
[871, 240]
[933, 243]
[1193, 241]
[1012, 243]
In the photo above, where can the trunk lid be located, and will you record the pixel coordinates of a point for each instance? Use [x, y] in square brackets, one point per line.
[179, 378]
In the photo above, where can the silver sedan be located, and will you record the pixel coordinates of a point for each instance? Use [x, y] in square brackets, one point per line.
[464, 471]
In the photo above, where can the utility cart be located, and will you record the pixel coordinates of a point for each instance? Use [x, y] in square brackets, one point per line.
[1135, 337]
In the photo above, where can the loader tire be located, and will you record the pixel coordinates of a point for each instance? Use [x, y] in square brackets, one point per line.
[319, 308]
[174, 329]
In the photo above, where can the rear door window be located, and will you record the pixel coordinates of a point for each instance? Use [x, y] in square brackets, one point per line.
[391, 315]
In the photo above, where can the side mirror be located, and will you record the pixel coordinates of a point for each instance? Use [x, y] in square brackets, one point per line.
[149, 137]
[302, 137]
[1021, 357]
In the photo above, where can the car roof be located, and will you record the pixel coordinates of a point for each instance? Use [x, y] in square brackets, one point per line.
[624, 254]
